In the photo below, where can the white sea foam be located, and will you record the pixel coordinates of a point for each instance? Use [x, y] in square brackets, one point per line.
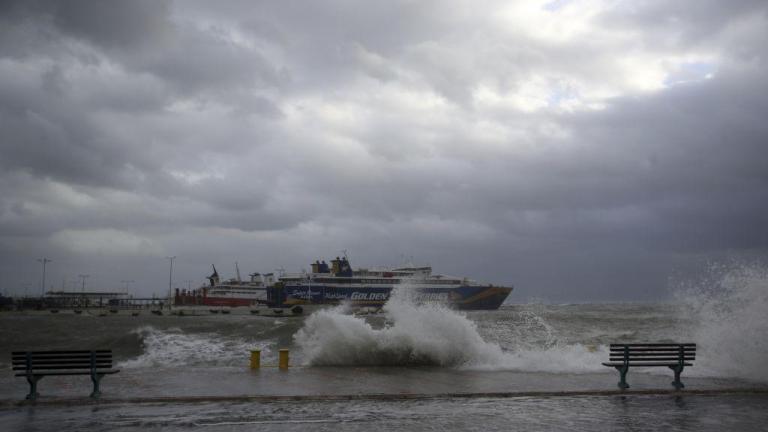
[729, 316]
[415, 335]
[428, 334]
[172, 347]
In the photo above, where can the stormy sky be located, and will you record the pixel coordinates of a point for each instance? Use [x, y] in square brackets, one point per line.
[580, 150]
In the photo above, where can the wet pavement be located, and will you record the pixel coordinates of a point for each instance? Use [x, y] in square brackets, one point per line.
[345, 382]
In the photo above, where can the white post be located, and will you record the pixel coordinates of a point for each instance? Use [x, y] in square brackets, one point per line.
[170, 281]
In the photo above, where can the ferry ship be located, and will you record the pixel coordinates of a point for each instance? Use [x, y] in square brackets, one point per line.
[338, 282]
[371, 288]
[228, 293]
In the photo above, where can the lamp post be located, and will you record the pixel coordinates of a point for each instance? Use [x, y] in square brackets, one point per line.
[83, 277]
[170, 280]
[43, 261]
[83, 299]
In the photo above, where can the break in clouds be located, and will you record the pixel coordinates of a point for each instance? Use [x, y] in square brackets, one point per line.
[581, 150]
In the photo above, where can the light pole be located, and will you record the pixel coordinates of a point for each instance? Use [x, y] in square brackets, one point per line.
[170, 280]
[43, 261]
[83, 299]
[83, 277]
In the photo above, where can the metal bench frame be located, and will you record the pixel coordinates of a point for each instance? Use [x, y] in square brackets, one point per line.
[38, 364]
[675, 356]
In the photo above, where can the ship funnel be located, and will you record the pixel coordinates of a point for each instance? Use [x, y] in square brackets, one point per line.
[214, 278]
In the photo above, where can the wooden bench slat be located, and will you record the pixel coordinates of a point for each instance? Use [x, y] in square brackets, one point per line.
[54, 358]
[653, 351]
[652, 354]
[35, 365]
[690, 344]
[649, 360]
[61, 352]
[68, 365]
[618, 357]
[54, 354]
[64, 366]
[671, 352]
[646, 364]
[617, 348]
[69, 360]
[668, 354]
[61, 355]
[100, 372]
[630, 352]
[43, 363]
[662, 359]
[57, 367]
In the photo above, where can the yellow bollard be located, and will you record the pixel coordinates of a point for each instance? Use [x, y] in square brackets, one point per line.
[255, 359]
[283, 359]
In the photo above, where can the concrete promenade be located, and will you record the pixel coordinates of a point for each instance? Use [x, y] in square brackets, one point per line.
[356, 383]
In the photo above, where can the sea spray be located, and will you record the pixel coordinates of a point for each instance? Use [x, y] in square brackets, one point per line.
[430, 334]
[728, 311]
[173, 347]
[427, 334]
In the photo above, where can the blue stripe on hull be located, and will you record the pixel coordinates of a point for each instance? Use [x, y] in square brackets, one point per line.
[464, 297]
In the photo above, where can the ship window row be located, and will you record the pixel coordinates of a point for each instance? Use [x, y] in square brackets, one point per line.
[356, 281]
[235, 292]
[389, 281]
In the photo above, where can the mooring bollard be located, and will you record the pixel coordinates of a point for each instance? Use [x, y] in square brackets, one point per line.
[283, 364]
[255, 359]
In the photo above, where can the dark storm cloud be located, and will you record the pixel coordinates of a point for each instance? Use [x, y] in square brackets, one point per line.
[584, 152]
[115, 24]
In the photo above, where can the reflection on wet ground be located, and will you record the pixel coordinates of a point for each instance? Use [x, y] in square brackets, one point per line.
[583, 413]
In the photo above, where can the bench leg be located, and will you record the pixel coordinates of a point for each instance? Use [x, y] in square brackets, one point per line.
[677, 383]
[96, 378]
[623, 376]
[32, 380]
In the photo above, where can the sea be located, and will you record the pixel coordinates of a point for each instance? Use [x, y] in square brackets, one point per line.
[410, 367]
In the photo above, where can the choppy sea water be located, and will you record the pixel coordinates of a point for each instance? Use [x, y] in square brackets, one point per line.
[410, 349]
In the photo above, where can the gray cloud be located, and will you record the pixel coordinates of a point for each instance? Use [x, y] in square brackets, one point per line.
[114, 24]
[581, 155]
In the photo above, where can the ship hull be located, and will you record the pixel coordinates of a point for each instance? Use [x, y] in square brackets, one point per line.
[228, 302]
[461, 297]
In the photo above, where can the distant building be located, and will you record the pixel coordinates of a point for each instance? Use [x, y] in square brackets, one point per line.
[84, 299]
